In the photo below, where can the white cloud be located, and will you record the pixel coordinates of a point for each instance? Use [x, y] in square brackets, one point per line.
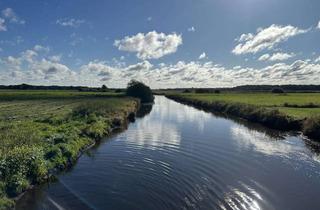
[266, 38]
[149, 18]
[39, 68]
[3, 27]
[191, 29]
[152, 45]
[264, 57]
[29, 55]
[202, 56]
[281, 56]
[276, 56]
[317, 60]
[318, 26]
[208, 74]
[39, 48]
[70, 22]
[10, 15]
[55, 58]
[12, 63]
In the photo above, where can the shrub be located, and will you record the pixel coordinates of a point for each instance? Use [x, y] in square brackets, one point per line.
[104, 88]
[311, 128]
[139, 90]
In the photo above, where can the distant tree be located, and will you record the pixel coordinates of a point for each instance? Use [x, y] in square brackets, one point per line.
[202, 90]
[277, 90]
[139, 90]
[104, 88]
[217, 91]
[187, 91]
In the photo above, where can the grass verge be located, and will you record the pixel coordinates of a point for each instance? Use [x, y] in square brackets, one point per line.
[39, 137]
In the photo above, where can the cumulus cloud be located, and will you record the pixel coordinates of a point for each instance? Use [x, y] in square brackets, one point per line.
[30, 66]
[317, 60]
[49, 70]
[70, 22]
[11, 16]
[28, 55]
[191, 29]
[3, 27]
[276, 56]
[318, 26]
[207, 74]
[55, 58]
[38, 68]
[202, 56]
[152, 45]
[265, 38]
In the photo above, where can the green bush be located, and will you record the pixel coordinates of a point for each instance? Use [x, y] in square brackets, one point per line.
[139, 90]
[20, 166]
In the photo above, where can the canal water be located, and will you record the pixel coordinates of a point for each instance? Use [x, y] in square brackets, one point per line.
[178, 157]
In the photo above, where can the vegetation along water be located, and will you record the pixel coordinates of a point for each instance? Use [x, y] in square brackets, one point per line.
[45, 131]
[284, 111]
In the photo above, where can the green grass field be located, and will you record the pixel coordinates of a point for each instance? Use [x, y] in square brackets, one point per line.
[268, 100]
[43, 130]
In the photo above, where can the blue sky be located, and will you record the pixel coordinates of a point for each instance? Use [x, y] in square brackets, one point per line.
[168, 43]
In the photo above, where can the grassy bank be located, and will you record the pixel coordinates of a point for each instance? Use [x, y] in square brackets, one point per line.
[42, 132]
[291, 111]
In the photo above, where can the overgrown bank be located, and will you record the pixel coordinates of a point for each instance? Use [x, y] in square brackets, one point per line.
[41, 137]
[270, 117]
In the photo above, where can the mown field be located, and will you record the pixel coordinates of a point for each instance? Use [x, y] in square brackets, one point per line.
[296, 105]
[44, 131]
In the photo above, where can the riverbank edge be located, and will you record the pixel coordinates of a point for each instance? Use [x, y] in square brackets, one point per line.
[125, 118]
[272, 118]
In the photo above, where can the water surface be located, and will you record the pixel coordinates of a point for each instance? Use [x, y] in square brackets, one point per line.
[178, 157]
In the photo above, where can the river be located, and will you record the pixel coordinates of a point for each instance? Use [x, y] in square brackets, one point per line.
[178, 157]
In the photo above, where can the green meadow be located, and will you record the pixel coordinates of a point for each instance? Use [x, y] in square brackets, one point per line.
[44, 131]
[297, 105]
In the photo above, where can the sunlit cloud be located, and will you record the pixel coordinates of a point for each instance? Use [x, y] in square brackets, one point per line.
[152, 45]
[276, 57]
[265, 38]
[203, 56]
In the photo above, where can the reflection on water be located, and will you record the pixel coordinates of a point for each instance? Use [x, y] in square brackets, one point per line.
[177, 157]
[155, 134]
[259, 141]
